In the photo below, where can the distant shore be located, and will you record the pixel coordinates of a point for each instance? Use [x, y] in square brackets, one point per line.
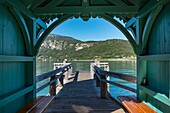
[118, 59]
[113, 59]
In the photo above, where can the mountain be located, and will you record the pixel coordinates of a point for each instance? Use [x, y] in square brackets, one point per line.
[57, 47]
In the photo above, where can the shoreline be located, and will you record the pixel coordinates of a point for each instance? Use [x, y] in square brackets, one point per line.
[119, 59]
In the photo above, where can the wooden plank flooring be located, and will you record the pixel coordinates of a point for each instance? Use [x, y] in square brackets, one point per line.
[81, 96]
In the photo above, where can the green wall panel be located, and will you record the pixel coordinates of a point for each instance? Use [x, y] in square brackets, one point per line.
[13, 75]
[158, 75]
[1, 28]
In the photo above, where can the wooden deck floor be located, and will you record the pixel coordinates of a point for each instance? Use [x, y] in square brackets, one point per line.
[79, 95]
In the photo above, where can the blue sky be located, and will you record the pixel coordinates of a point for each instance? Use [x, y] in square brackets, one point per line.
[92, 30]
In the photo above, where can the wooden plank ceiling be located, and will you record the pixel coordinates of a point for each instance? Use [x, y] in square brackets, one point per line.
[50, 9]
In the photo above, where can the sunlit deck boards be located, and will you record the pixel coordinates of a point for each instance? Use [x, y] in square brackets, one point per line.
[82, 96]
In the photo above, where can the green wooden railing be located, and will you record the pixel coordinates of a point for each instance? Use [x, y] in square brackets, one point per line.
[100, 75]
[57, 74]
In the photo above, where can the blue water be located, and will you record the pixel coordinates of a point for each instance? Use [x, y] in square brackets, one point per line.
[125, 67]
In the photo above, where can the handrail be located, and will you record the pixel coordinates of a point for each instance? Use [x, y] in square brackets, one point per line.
[101, 80]
[54, 75]
[116, 75]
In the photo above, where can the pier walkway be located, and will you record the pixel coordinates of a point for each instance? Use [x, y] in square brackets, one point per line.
[80, 95]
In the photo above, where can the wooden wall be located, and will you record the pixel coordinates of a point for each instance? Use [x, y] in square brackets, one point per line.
[157, 63]
[14, 74]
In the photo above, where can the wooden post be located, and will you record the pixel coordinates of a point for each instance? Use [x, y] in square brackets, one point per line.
[53, 86]
[103, 86]
[60, 81]
[91, 70]
[97, 81]
[66, 73]
[97, 63]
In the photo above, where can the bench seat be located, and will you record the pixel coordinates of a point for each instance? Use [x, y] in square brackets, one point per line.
[38, 105]
[134, 105]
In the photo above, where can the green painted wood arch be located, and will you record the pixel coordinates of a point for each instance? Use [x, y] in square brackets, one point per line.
[48, 30]
[23, 27]
[123, 30]
[38, 33]
[104, 16]
[132, 30]
[148, 25]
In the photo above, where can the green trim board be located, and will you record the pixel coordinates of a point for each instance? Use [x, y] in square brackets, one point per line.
[14, 95]
[130, 22]
[32, 25]
[34, 77]
[158, 96]
[84, 10]
[160, 57]
[5, 58]
[41, 23]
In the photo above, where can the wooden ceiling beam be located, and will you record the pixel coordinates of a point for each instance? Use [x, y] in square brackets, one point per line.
[54, 3]
[118, 2]
[135, 2]
[148, 8]
[86, 10]
[36, 3]
[21, 7]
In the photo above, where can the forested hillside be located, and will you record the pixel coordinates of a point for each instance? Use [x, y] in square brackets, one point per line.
[57, 47]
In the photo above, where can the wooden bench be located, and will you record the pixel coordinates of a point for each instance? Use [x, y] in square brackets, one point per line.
[38, 105]
[133, 105]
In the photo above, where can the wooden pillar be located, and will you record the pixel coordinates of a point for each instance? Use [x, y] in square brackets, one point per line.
[52, 86]
[103, 86]
[31, 24]
[141, 65]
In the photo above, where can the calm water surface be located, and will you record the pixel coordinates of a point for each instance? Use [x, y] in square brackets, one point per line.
[126, 67]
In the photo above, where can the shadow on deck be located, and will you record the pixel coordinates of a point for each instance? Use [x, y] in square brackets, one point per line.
[79, 95]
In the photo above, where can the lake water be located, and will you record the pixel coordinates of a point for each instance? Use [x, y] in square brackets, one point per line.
[126, 67]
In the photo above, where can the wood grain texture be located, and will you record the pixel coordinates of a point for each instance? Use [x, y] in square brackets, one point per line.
[42, 105]
[133, 105]
[38, 105]
[82, 96]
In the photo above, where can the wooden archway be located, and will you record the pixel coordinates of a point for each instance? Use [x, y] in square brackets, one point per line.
[22, 22]
[104, 16]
